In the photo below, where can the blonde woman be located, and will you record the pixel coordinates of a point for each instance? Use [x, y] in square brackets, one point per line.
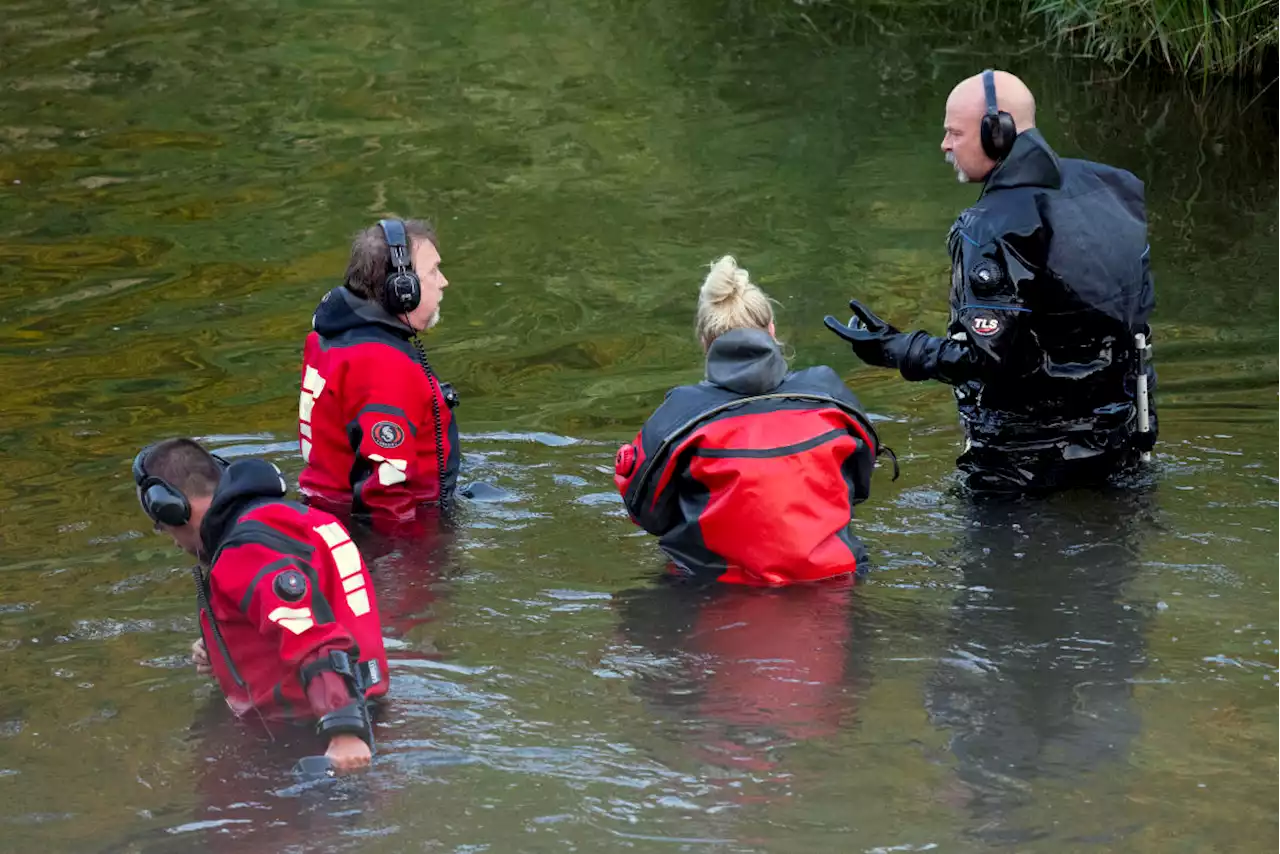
[751, 476]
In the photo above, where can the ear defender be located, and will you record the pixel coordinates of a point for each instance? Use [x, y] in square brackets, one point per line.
[998, 129]
[160, 500]
[402, 291]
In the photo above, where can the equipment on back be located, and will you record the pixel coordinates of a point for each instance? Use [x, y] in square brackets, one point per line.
[1142, 343]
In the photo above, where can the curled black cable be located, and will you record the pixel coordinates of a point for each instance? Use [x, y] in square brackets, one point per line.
[436, 393]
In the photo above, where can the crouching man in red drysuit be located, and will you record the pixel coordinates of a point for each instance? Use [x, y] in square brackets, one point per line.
[751, 476]
[289, 622]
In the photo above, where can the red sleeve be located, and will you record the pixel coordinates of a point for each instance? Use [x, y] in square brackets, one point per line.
[394, 453]
[280, 595]
[627, 463]
[652, 503]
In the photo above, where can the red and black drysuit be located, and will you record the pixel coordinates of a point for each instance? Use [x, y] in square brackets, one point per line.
[751, 476]
[288, 594]
[375, 426]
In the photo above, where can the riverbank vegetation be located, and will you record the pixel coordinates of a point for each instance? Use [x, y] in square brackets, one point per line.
[1204, 38]
[1209, 37]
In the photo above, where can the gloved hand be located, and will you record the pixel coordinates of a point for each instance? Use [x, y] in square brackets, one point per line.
[874, 341]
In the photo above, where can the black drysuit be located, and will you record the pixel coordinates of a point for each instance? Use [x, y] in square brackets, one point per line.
[1050, 281]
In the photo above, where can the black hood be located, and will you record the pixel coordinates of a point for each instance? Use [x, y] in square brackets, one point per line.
[243, 482]
[341, 310]
[746, 361]
[1031, 163]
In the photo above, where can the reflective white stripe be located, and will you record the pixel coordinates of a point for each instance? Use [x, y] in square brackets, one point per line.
[399, 464]
[389, 474]
[355, 582]
[312, 385]
[358, 602]
[333, 533]
[296, 620]
[347, 557]
[282, 612]
[313, 382]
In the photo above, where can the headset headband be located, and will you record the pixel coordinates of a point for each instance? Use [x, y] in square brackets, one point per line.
[161, 500]
[397, 242]
[989, 89]
[140, 464]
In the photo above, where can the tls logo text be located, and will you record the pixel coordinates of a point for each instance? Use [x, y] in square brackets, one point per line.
[986, 325]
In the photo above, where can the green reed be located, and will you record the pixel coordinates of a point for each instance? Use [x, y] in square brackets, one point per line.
[1209, 37]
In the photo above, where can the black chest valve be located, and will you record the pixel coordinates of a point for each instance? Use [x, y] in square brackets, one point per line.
[290, 585]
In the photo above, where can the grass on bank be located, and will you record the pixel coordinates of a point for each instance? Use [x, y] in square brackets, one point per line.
[1215, 38]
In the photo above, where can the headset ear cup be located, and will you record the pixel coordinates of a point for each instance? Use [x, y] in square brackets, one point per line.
[998, 133]
[1008, 133]
[402, 292]
[166, 505]
[990, 130]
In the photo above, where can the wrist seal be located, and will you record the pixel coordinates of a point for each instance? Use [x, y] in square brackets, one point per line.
[348, 720]
[915, 359]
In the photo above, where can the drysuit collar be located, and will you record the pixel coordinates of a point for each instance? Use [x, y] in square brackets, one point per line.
[746, 361]
[341, 310]
[1031, 163]
[243, 482]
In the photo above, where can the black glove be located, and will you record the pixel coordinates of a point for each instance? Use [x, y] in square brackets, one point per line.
[873, 340]
[917, 355]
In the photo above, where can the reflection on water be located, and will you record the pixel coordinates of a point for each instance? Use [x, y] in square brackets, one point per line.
[178, 184]
[1042, 649]
[742, 673]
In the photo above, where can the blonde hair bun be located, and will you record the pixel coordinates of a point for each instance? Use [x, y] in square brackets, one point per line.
[725, 281]
[730, 300]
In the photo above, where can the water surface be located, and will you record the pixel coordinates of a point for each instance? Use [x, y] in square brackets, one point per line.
[180, 180]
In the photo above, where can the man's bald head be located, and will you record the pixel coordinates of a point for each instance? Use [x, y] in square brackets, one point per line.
[966, 105]
[1012, 97]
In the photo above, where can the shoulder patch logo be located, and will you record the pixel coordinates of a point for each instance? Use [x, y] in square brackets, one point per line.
[984, 325]
[386, 434]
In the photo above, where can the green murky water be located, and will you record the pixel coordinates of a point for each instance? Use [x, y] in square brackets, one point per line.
[178, 181]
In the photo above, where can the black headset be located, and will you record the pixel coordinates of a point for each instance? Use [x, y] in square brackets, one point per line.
[161, 500]
[998, 129]
[402, 290]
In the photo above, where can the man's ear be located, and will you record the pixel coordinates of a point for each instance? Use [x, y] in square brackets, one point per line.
[772, 332]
